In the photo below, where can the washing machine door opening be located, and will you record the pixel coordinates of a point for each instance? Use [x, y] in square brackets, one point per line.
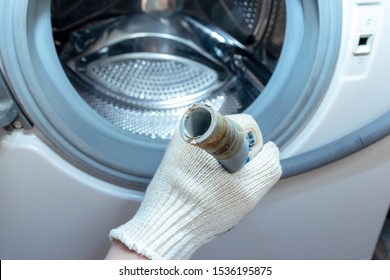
[107, 83]
[140, 64]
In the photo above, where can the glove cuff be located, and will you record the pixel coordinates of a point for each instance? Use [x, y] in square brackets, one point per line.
[167, 233]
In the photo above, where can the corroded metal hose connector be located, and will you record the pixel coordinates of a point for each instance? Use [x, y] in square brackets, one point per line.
[221, 137]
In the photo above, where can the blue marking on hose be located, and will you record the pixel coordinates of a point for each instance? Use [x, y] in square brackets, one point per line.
[251, 140]
[251, 143]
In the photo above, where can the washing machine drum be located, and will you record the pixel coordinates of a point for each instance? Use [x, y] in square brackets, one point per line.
[107, 81]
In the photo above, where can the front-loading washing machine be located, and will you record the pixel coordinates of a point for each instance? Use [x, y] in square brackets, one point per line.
[91, 91]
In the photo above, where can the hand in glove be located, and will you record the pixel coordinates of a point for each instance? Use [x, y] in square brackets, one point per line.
[192, 199]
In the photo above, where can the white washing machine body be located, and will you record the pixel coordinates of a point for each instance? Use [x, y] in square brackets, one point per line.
[51, 208]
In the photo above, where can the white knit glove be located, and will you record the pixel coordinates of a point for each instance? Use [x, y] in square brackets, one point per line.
[192, 199]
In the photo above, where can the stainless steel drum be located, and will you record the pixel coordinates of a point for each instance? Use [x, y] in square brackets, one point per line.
[140, 64]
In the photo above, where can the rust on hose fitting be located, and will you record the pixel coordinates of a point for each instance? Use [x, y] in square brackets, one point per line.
[218, 135]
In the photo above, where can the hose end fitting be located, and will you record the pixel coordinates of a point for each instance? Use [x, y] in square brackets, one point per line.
[218, 135]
